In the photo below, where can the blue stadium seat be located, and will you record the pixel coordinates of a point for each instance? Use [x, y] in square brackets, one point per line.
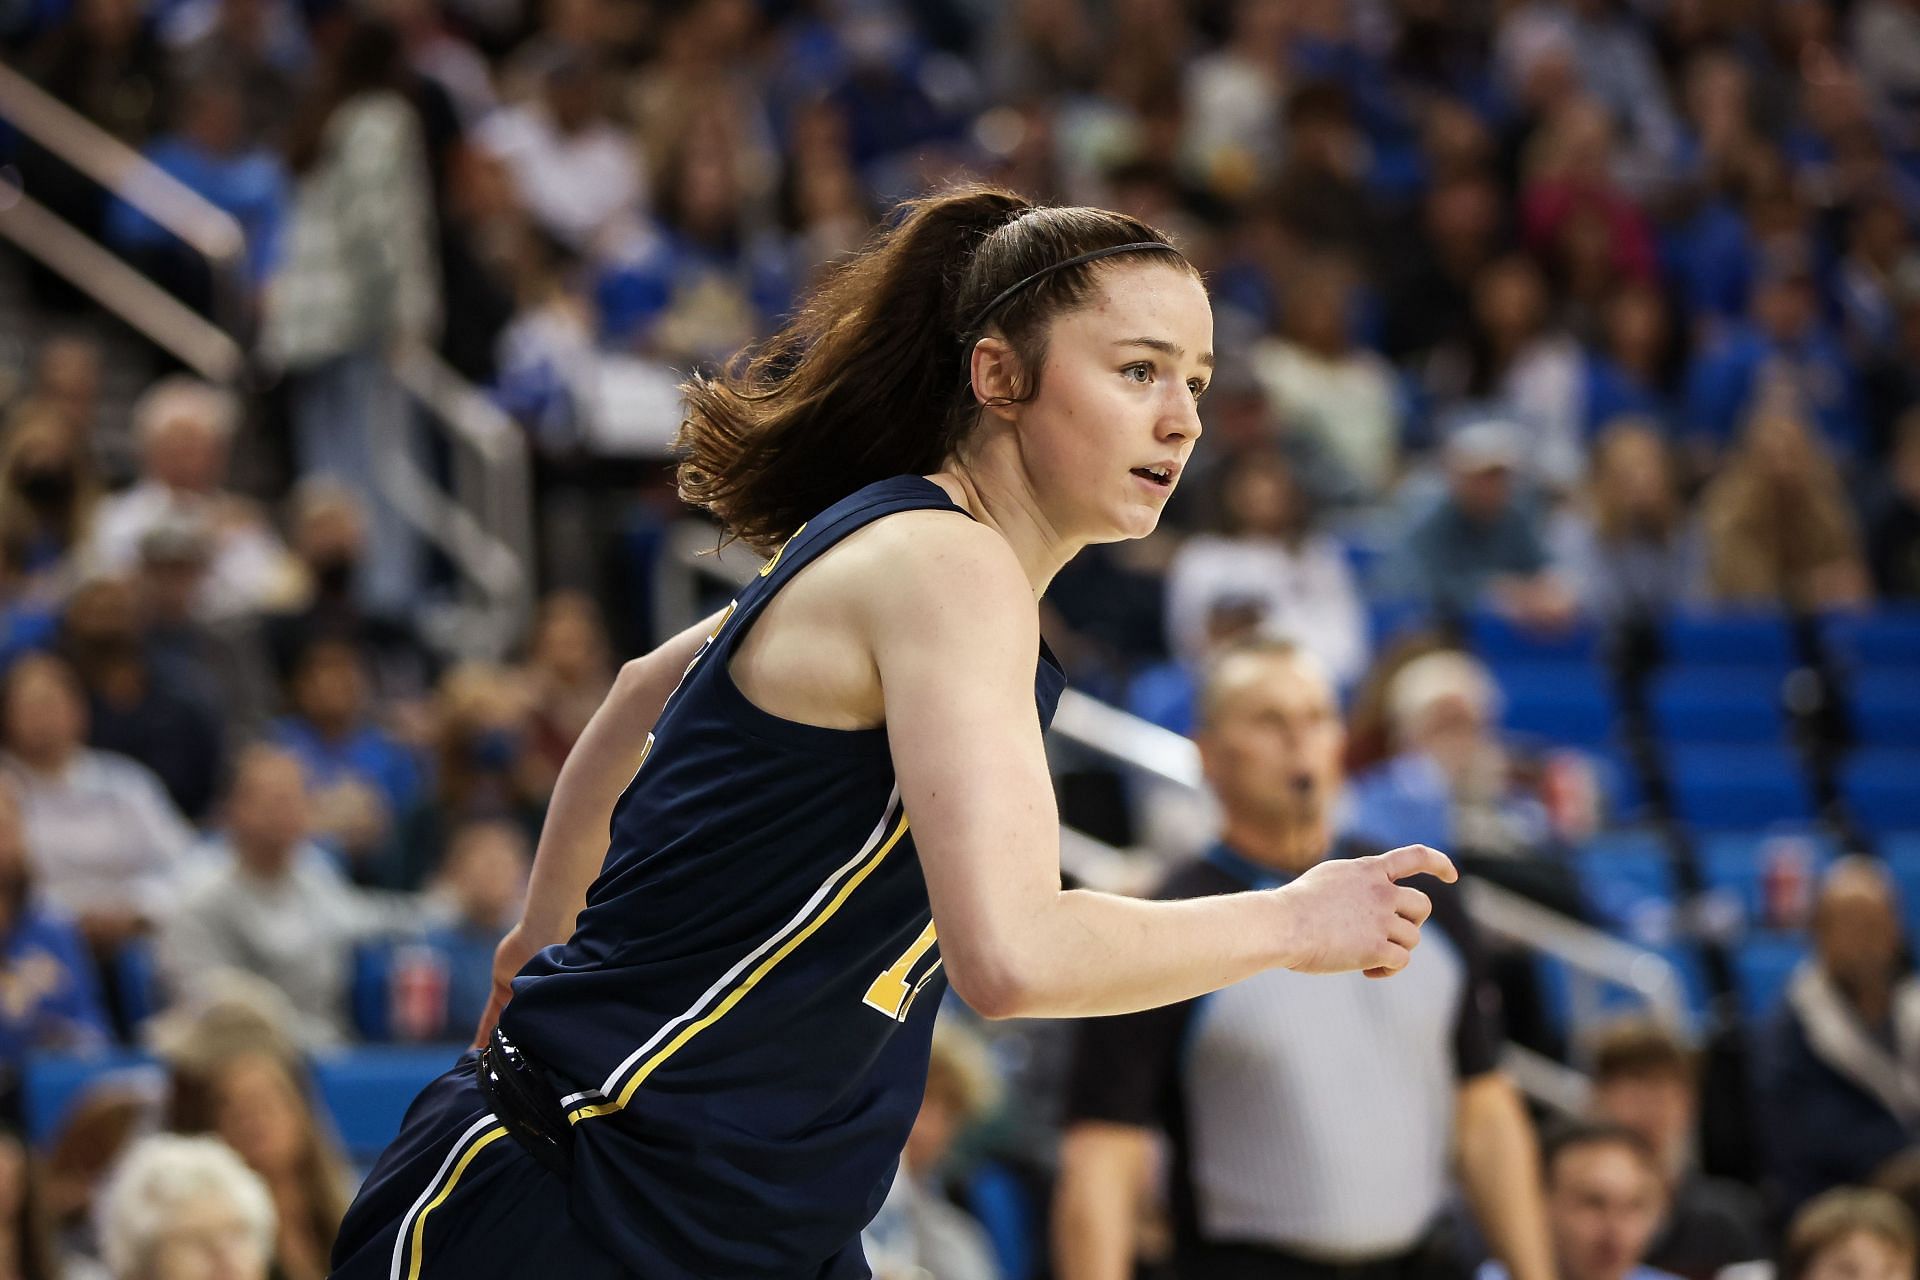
[1628, 881]
[1761, 968]
[1883, 638]
[1388, 618]
[368, 1090]
[1724, 788]
[1727, 639]
[1886, 707]
[1735, 862]
[52, 1082]
[1901, 852]
[1882, 789]
[371, 991]
[1498, 640]
[1561, 702]
[1731, 705]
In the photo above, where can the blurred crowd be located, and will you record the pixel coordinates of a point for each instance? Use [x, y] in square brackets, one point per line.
[1554, 317]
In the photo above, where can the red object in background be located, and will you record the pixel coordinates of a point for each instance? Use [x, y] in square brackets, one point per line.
[1786, 882]
[418, 991]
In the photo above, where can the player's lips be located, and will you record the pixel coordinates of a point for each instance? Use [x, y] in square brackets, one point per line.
[1161, 474]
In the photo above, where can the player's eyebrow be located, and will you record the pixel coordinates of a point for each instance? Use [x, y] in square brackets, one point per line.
[1172, 349]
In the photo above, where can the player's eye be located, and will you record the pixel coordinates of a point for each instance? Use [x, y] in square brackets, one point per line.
[1142, 367]
[1196, 387]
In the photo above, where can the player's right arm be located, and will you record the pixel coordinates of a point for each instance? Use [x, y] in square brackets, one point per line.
[573, 839]
[1104, 1175]
[954, 633]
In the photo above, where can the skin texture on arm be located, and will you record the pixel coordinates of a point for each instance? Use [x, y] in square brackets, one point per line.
[573, 840]
[1104, 1169]
[956, 673]
[1499, 1165]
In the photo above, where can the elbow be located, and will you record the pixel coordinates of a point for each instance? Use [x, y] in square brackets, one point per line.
[994, 990]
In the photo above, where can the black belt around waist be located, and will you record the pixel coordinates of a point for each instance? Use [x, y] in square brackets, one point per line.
[523, 1097]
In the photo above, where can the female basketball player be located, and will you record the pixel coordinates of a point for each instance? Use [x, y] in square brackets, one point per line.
[831, 798]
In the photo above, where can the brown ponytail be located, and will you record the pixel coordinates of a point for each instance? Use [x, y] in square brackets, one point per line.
[869, 378]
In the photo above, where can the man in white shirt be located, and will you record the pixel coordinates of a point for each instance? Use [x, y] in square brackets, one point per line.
[185, 427]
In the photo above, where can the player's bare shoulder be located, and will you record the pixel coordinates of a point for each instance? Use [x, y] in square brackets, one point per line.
[919, 572]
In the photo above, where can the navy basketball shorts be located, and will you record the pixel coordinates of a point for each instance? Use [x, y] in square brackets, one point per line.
[456, 1196]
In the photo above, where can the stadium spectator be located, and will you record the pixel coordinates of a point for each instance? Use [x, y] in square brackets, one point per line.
[1632, 550]
[1851, 1233]
[1778, 526]
[49, 993]
[105, 841]
[67, 376]
[568, 669]
[1235, 94]
[962, 1087]
[485, 766]
[484, 879]
[263, 1113]
[48, 492]
[1840, 1092]
[1628, 371]
[1430, 274]
[1325, 385]
[260, 47]
[1572, 190]
[27, 1247]
[1605, 1195]
[574, 168]
[706, 275]
[357, 282]
[105, 62]
[364, 781]
[328, 523]
[136, 708]
[185, 429]
[224, 661]
[1483, 545]
[1645, 1080]
[1272, 1130]
[1270, 557]
[274, 904]
[179, 1207]
[1450, 776]
[1529, 370]
[1783, 357]
[1893, 521]
[208, 152]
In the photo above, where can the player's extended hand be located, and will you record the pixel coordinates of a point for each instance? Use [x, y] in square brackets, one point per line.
[508, 959]
[1349, 913]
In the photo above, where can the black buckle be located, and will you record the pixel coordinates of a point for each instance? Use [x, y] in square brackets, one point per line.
[519, 1093]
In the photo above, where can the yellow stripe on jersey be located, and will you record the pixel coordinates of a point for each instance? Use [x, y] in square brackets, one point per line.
[768, 567]
[747, 984]
[420, 1223]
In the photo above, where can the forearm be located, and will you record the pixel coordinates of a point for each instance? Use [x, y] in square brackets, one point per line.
[1500, 1169]
[1087, 954]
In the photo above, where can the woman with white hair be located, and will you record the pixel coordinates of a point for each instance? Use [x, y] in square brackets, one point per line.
[185, 1209]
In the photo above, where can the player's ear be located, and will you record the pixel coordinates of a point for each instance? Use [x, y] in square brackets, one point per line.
[999, 381]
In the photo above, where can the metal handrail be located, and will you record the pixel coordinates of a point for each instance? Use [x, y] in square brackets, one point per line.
[203, 226]
[150, 310]
[485, 524]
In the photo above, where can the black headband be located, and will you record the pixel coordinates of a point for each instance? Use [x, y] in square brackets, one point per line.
[1138, 246]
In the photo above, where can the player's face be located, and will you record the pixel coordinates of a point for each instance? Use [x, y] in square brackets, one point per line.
[1116, 403]
[1603, 1204]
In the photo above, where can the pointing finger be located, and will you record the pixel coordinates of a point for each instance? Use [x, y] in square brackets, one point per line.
[1417, 860]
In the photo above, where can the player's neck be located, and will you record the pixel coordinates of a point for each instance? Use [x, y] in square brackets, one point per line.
[1009, 510]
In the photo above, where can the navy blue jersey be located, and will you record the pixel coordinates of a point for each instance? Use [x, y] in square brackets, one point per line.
[742, 1018]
